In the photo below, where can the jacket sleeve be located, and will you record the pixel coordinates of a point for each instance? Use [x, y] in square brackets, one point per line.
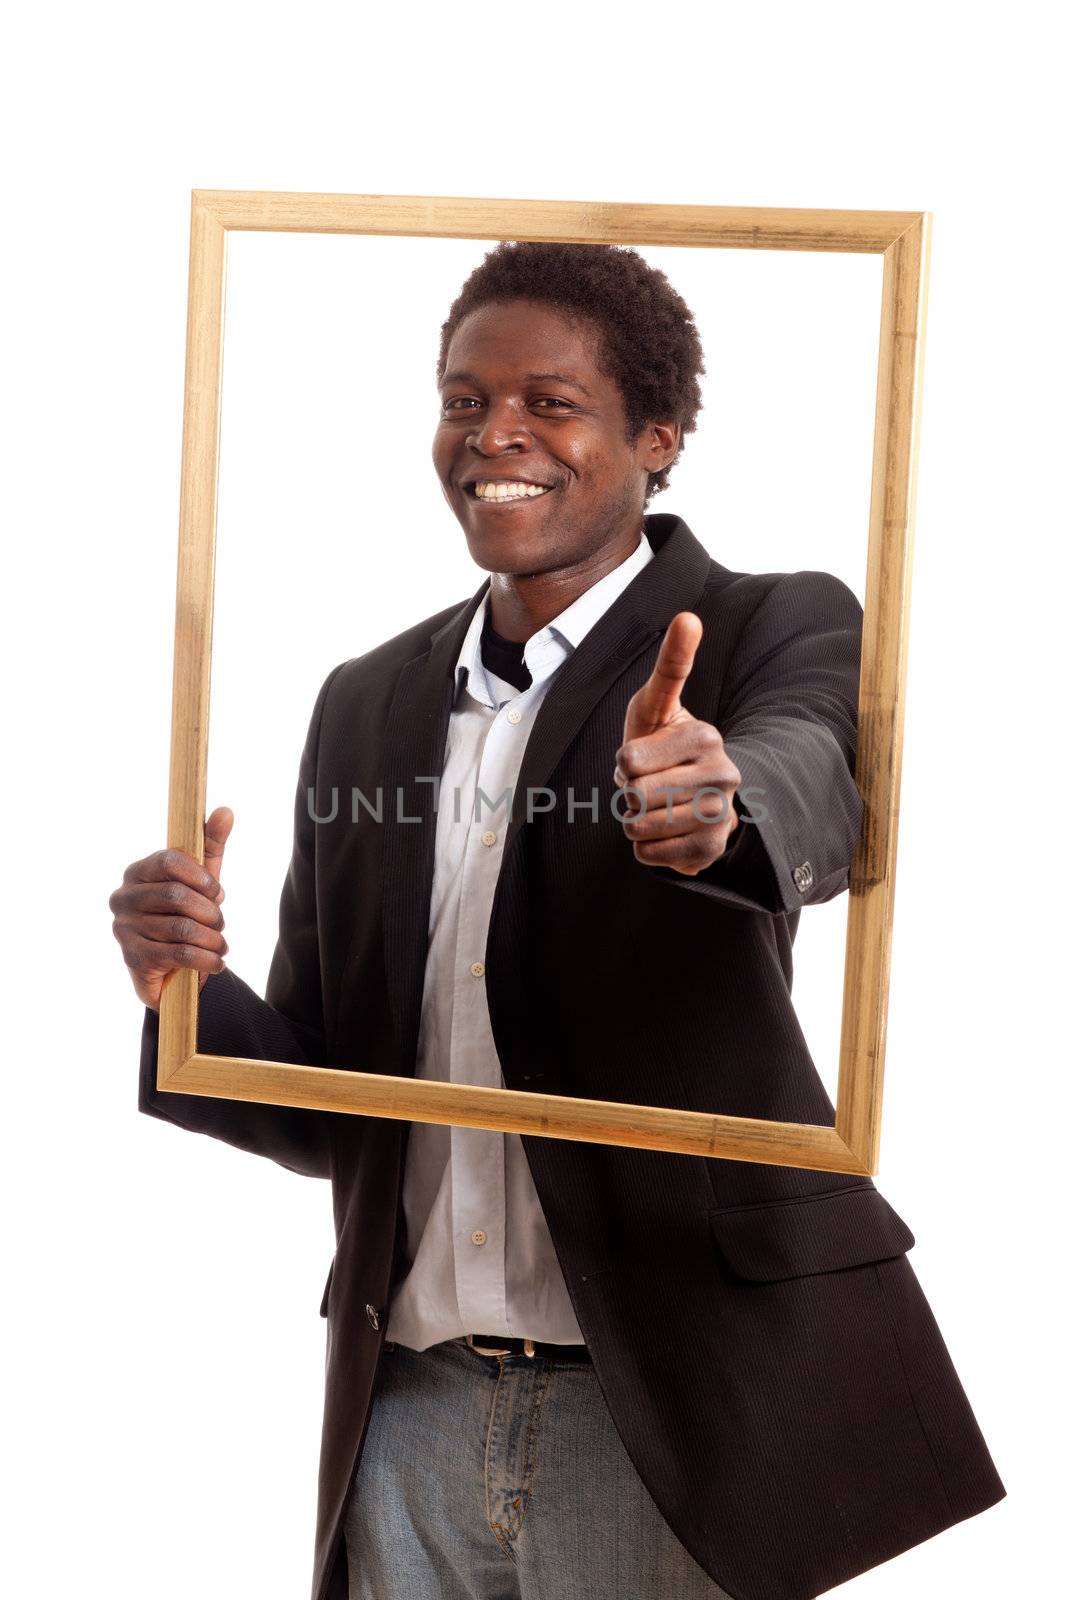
[788, 720]
[286, 1025]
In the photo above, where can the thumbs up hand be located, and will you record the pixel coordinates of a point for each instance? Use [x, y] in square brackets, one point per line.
[678, 778]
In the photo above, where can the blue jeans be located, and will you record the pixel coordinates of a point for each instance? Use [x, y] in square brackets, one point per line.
[504, 1478]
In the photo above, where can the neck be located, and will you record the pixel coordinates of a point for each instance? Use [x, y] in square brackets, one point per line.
[520, 604]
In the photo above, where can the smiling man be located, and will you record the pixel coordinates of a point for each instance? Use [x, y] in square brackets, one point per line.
[533, 454]
[620, 769]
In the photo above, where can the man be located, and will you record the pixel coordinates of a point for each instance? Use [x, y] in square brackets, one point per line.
[557, 1368]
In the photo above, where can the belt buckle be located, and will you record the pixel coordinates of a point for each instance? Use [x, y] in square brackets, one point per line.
[527, 1346]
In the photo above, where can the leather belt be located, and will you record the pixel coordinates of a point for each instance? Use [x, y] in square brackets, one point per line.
[493, 1344]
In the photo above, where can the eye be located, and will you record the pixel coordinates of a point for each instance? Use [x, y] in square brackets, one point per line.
[460, 400]
[552, 400]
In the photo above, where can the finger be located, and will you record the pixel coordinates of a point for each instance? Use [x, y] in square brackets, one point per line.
[170, 897]
[686, 854]
[689, 743]
[216, 832]
[669, 791]
[708, 812]
[144, 956]
[660, 698]
[173, 865]
[165, 930]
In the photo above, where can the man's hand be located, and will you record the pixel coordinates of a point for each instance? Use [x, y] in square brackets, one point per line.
[667, 758]
[167, 912]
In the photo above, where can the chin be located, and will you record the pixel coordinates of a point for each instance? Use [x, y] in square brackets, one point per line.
[500, 553]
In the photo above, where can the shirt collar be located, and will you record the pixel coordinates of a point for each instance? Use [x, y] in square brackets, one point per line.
[549, 646]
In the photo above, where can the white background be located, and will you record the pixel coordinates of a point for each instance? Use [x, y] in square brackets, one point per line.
[163, 1360]
[330, 404]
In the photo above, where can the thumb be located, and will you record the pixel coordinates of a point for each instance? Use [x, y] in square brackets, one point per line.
[216, 832]
[659, 700]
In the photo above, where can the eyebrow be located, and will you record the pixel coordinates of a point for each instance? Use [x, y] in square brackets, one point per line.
[531, 377]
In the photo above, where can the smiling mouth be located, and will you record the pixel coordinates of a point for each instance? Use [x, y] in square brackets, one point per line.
[505, 492]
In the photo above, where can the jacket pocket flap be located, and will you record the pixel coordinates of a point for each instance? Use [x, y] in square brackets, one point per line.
[845, 1228]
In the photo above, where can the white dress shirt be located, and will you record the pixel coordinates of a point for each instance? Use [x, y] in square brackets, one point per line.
[482, 1258]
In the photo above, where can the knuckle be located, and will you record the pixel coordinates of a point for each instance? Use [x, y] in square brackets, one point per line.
[702, 855]
[709, 804]
[183, 930]
[173, 861]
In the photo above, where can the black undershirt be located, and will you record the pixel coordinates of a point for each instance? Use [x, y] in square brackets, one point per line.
[504, 657]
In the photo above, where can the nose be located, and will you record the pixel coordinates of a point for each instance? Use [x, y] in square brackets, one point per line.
[500, 429]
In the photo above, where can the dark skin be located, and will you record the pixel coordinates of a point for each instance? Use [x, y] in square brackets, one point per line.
[502, 418]
[498, 421]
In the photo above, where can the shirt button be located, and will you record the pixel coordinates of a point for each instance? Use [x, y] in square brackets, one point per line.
[478, 1236]
[514, 716]
[477, 969]
[489, 838]
[372, 1317]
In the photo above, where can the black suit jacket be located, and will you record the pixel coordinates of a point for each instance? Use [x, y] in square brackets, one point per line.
[766, 1352]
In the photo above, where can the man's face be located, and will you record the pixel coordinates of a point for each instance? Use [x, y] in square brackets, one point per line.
[524, 403]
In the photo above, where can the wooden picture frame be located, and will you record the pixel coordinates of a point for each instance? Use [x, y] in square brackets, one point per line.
[903, 241]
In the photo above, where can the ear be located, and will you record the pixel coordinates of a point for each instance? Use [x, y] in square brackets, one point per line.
[657, 445]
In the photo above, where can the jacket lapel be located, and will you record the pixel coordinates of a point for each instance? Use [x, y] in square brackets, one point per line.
[415, 736]
[671, 582]
[417, 731]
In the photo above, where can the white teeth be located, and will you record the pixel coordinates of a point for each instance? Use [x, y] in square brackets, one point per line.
[508, 490]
